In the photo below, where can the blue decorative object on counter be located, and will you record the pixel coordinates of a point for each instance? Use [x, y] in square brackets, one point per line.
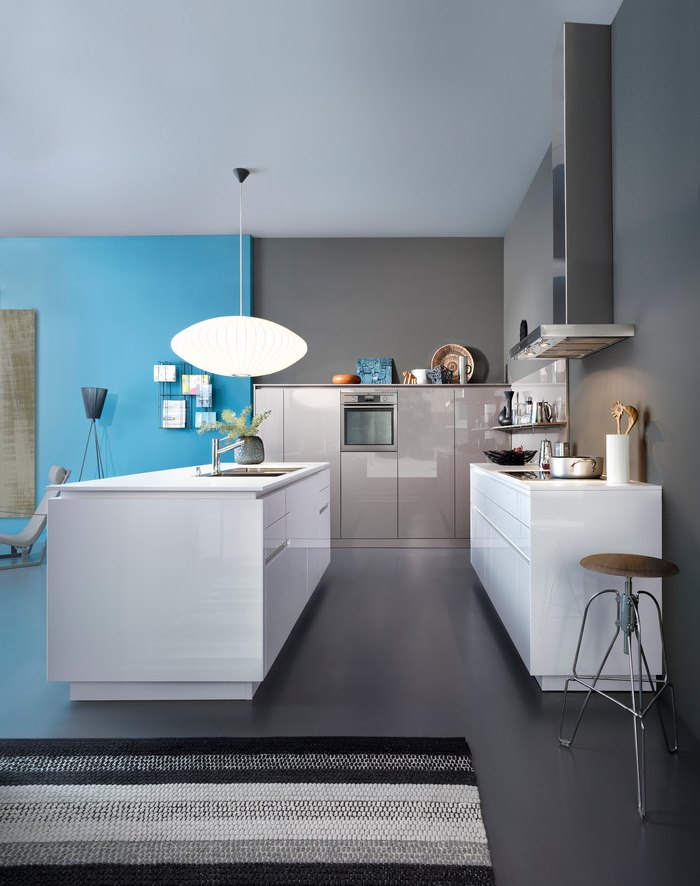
[435, 376]
[375, 370]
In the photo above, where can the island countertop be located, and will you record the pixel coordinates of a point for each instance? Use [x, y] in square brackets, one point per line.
[186, 480]
[501, 472]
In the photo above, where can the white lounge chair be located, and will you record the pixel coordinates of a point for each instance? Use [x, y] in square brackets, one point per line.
[21, 543]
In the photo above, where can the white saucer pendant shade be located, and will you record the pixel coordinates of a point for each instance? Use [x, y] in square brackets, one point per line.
[239, 346]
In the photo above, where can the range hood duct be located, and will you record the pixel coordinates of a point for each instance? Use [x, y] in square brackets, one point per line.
[582, 283]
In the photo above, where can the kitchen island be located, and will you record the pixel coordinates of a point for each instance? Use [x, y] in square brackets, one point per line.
[527, 538]
[178, 585]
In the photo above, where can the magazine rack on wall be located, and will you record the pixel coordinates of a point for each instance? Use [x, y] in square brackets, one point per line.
[185, 395]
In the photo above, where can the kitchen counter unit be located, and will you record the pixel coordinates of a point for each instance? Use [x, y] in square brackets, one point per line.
[168, 585]
[187, 480]
[527, 538]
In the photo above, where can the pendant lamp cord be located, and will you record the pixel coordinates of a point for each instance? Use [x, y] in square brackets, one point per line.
[240, 246]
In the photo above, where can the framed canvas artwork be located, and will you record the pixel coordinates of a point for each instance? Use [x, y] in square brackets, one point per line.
[375, 370]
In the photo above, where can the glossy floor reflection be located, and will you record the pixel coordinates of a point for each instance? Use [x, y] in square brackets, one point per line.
[404, 642]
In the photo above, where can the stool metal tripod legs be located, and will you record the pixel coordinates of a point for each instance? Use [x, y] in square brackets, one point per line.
[629, 624]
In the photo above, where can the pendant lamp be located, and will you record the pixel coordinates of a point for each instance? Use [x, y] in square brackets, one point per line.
[239, 346]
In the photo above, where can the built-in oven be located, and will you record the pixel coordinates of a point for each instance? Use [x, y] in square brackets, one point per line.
[368, 422]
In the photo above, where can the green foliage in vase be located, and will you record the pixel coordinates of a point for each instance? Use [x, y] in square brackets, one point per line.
[235, 426]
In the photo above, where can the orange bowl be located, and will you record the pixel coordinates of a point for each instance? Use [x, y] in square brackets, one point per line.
[346, 379]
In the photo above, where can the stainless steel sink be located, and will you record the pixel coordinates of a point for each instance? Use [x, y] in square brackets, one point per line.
[254, 472]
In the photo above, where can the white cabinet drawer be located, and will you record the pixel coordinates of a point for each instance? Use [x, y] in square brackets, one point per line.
[323, 501]
[275, 539]
[321, 480]
[285, 597]
[504, 522]
[508, 498]
[274, 507]
[524, 509]
[505, 497]
[517, 533]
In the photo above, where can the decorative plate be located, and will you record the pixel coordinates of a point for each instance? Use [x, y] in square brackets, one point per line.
[448, 357]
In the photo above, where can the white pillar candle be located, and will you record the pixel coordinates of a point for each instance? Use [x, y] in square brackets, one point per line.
[617, 458]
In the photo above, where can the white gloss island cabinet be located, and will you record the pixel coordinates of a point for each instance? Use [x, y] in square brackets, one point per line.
[171, 586]
[527, 540]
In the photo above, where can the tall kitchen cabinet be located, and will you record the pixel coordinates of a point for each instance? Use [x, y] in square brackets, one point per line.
[304, 425]
[474, 412]
[426, 447]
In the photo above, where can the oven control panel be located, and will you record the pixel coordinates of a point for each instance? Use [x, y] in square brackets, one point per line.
[370, 399]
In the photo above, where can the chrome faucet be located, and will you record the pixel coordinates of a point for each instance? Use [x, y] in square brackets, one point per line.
[217, 450]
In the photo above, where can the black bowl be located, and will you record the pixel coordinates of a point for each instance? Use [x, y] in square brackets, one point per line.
[509, 456]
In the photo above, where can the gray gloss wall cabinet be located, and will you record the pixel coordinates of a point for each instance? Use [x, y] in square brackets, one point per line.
[272, 429]
[304, 426]
[426, 441]
[418, 495]
[474, 412]
[369, 488]
[312, 433]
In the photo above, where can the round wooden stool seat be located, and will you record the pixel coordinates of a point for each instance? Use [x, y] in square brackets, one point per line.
[630, 565]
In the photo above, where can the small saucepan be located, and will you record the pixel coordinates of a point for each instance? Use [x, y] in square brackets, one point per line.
[580, 467]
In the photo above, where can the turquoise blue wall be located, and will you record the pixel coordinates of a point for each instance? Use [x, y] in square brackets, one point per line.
[107, 308]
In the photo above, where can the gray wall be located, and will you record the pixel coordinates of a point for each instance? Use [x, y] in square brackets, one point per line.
[656, 206]
[382, 297]
[527, 265]
[656, 176]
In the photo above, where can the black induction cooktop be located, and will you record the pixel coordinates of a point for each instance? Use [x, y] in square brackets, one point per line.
[527, 475]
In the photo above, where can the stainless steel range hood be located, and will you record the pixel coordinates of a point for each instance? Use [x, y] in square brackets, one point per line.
[582, 277]
[555, 340]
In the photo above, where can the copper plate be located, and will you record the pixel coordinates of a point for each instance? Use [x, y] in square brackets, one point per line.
[448, 356]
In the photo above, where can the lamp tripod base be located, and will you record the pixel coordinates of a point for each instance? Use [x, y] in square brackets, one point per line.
[98, 455]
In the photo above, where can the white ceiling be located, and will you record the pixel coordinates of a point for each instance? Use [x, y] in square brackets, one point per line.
[356, 117]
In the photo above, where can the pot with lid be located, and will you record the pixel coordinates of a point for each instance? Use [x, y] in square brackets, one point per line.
[580, 467]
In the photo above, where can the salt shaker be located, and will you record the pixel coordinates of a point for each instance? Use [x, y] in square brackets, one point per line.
[545, 454]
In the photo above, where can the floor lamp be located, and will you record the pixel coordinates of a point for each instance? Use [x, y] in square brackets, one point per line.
[93, 401]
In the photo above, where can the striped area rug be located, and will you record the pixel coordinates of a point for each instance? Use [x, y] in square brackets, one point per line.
[249, 812]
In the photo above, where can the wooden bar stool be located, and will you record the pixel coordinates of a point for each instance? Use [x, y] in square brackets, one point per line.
[628, 624]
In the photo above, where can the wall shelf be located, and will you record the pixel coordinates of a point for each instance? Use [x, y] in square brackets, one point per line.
[530, 426]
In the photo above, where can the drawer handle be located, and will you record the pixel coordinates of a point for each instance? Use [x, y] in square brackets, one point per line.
[277, 550]
[325, 507]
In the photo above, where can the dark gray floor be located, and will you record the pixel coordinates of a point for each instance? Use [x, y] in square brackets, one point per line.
[404, 642]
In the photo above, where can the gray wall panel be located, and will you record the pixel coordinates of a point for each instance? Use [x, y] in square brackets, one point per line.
[527, 266]
[656, 173]
[656, 213]
[381, 297]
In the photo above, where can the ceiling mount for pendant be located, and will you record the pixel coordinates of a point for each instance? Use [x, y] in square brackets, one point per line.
[238, 345]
